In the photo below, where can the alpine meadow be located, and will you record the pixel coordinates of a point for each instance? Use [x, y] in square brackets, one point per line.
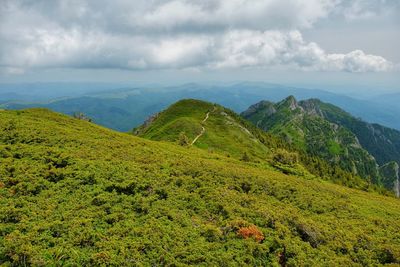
[199, 133]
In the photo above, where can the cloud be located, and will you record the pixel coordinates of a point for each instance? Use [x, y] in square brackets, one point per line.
[367, 9]
[179, 34]
[276, 48]
[219, 14]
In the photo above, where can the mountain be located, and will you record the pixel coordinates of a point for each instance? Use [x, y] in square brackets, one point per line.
[50, 91]
[119, 113]
[218, 129]
[127, 107]
[380, 141]
[391, 100]
[74, 193]
[327, 131]
[206, 125]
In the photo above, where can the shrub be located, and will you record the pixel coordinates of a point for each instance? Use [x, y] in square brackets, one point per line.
[284, 157]
[245, 157]
[211, 233]
[183, 139]
[251, 231]
[81, 116]
[307, 234]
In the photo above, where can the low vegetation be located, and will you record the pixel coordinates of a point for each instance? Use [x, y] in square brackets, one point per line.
[73, 193]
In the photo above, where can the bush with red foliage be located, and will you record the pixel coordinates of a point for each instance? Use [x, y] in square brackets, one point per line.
[251, 231]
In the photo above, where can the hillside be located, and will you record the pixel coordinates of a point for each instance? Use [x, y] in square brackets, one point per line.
[73, 193]
[302, 125]
[216, 128]
[329, 132]
[381, 142]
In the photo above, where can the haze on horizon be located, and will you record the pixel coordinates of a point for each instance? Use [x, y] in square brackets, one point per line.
[334, 44]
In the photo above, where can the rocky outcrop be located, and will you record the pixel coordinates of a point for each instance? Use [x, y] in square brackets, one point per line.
[266, 107]
[289, 102]
[390, 176]
[312, 107]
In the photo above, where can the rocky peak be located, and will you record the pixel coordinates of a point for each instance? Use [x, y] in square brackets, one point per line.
[264, 106]
[312, 107]
[289, 102]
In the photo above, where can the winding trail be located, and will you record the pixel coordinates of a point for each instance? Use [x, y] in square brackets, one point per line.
[203, 129]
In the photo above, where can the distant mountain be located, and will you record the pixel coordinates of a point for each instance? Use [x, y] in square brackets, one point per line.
[327, 131]
[34, 92]
[125, 108]
[390, 100]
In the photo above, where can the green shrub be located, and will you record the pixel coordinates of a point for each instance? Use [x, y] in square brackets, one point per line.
[284, 157]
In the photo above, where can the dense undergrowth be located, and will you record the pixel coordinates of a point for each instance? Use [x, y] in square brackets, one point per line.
[73, 193]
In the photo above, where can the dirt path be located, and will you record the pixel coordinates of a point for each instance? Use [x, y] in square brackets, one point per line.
[202, 128]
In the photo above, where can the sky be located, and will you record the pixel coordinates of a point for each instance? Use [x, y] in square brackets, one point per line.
[304, 42]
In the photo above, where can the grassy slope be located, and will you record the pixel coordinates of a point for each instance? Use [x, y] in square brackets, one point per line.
[75, 193]
[224, 133]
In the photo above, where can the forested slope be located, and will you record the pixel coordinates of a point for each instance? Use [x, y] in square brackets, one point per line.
[328, 132]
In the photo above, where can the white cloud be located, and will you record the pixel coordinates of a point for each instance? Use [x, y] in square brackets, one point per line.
[276, 48]
[358, 61]
[172, 34]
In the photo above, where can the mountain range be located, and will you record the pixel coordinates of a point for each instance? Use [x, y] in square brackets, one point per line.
[127, 107]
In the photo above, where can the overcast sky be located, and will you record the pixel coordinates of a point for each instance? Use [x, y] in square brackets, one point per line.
[47, 40]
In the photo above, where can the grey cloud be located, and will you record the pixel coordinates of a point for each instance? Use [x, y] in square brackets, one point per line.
[365, 9]
[170, 34]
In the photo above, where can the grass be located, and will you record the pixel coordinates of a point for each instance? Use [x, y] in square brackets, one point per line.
[224, 134]
[73, 193]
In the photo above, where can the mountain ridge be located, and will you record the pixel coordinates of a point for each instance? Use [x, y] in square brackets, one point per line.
[227, 133]
[330, 132]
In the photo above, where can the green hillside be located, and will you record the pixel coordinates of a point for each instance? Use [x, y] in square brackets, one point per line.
[305, 125]
[218, 129]
[76, 194]
[381, 142]
[224, 131]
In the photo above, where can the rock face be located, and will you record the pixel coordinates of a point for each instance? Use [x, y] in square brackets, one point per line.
[390, 176]
[260, 110]
[266, 106]
[312, 107]
[289, 102]
[327, 131]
